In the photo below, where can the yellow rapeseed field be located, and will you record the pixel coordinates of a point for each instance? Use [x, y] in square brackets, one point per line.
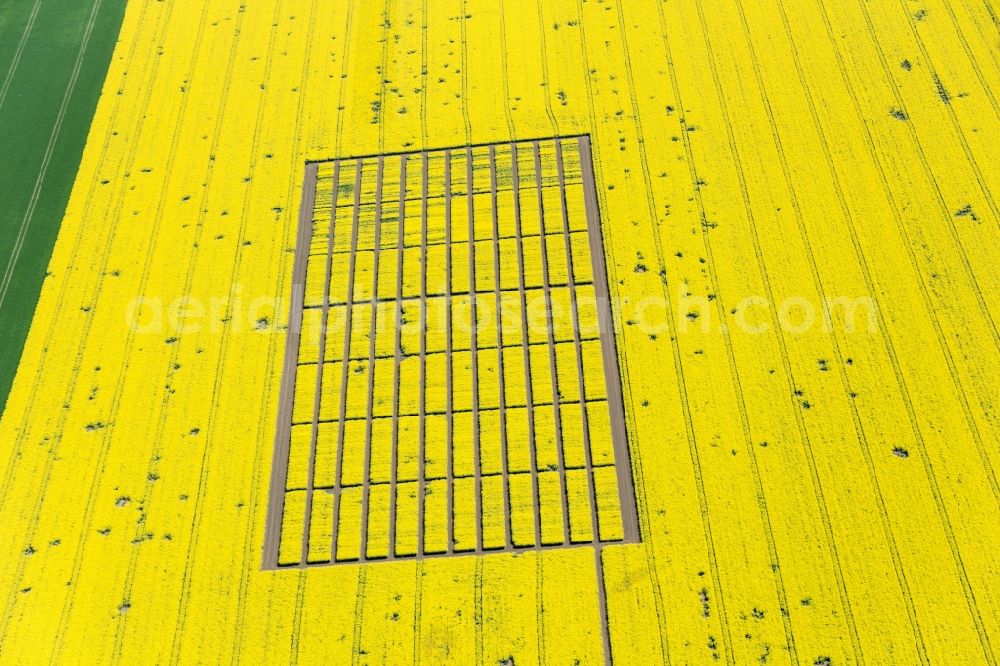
[801, 233]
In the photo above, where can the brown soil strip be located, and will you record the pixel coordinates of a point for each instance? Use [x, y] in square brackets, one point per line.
[454, 553]
[457, 477]
[282, 443]
[602, 593]
[505, 290]
[456, 350]
[623, 460]
[450, 439]
[588, 454]
[442, 149]
[516, 179]
[366, 490]
[482, 192]
[504, 463]
[422, 444]
[394, 462]
[560, 453]
[476, 452]
[537, 405]
[345, 370]
[319, 368]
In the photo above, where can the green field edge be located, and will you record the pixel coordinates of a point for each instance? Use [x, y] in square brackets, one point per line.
[39, 71]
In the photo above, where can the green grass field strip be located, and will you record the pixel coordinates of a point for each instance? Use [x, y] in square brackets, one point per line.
[54, 55]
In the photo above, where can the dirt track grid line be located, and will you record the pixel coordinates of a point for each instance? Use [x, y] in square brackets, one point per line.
[441, 412]
[306, 524]
[502, 408]
[521, 185]
[422, 404]
[532, 452]
[449, 395]
[476, 452]
[440, 294]
[366, 487]
[626, 491]
[394, 462]
[279, 464]
[531, 548]
[484, 475]
[550, 337]
[347, 349]
[587, 453]
[442, 149]
[602, 592]
[456, 350]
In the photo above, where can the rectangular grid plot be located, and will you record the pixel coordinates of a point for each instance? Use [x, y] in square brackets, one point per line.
[451, 381]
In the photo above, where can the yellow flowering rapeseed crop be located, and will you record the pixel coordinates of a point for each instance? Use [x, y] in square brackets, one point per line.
[800, 225]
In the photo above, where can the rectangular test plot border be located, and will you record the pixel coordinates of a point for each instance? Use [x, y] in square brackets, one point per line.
[296, 369]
